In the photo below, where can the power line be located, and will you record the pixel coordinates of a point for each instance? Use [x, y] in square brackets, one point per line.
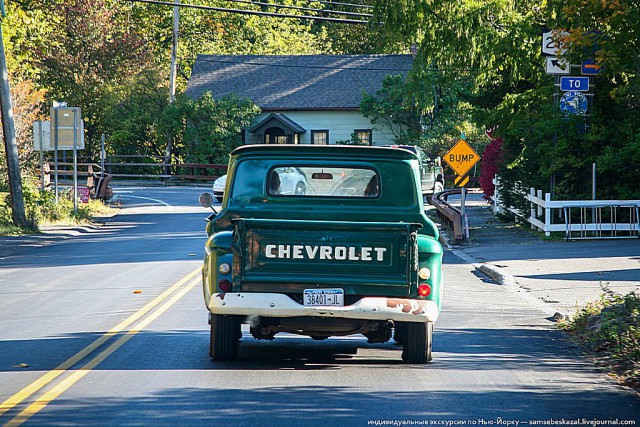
[253, 12]
[306, 9]
[333, 3]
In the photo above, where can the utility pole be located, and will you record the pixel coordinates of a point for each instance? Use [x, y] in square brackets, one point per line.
[172, 77]
[10, 144]
[174, 53]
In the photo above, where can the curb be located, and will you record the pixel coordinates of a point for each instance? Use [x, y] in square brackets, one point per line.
[498, 274]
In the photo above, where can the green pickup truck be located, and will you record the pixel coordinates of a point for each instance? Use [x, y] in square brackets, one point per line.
[322, 241]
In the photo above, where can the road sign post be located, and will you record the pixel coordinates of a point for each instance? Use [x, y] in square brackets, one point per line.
[462, 157]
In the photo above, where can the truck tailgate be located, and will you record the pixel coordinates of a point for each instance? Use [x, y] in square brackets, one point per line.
[289, 256]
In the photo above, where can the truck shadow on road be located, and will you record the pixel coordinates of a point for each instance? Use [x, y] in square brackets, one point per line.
[525, 348]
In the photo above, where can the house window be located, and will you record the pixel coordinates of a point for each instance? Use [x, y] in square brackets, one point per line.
[364, 136]
[320, 137]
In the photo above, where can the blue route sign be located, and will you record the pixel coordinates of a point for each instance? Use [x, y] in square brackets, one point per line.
[574, 102]
[590, 67]
[568, 83]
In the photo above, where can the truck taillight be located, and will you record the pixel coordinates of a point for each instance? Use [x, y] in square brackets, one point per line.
[424, 290]
[224, 285]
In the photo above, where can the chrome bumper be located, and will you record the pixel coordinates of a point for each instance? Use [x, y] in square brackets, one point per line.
[279, 305]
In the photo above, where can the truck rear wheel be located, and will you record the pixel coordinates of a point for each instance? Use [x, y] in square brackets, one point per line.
[416, 340]
[225, 334]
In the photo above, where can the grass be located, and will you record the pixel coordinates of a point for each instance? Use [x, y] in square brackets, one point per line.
[609, 331]
[41, 210]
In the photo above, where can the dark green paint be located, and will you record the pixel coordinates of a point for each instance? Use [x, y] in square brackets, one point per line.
[250, 220]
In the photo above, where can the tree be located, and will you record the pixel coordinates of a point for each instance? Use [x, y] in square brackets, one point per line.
[207, 130]
[495, 47]
[390, 106]
[93, 49]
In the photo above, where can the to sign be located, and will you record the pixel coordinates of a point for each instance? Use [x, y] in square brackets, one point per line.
[580, 84]
[461, 157]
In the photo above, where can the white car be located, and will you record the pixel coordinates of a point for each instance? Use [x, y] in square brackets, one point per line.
[292, 181]
[218, 187]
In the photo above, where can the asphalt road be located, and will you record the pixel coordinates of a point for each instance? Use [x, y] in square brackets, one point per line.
[109, 328]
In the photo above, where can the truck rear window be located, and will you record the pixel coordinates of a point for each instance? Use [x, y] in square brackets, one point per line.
[316, 181]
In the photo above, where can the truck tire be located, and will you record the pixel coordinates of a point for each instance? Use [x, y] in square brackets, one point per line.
[417, 342]
[225, 334]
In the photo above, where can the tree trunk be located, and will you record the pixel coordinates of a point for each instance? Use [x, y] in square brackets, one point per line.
[10, 144]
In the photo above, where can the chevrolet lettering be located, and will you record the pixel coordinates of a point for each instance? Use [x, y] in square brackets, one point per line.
[322, 241]
[339, 253]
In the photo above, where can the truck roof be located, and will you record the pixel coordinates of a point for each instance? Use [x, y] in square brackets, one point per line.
[318, 151]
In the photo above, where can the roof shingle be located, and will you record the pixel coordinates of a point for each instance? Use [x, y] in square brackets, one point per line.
[295, 82]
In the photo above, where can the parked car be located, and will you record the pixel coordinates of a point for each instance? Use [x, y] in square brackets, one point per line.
[292, 181]
[218, 187]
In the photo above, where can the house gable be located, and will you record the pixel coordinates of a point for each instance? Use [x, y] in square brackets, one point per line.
[300, 93]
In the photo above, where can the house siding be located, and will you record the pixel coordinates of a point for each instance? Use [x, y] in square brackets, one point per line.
[340, 124]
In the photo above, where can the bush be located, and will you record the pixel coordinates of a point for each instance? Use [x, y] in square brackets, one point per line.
[609, 329]
[41, 208]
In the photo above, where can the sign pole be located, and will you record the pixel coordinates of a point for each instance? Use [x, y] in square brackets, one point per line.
[55, 155]
[41, 155]
[102, 154]
[75, 162]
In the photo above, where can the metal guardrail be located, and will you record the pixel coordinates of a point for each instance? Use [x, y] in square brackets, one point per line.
[450, 214]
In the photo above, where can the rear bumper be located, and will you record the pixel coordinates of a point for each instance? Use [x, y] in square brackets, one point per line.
[279, 305]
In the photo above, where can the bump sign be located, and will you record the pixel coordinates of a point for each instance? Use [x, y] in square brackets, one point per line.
[461, 157]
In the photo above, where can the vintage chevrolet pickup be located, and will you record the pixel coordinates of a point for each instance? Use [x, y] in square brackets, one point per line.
[322, 241]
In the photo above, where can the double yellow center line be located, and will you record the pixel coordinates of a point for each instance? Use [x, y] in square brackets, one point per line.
[176, 292]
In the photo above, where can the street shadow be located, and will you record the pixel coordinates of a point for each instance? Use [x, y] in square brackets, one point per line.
[457, 349]
[406, 392]
[336, 405]
[124, 239]
[624, 275]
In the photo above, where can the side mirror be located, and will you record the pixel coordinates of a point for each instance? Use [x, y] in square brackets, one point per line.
[206, 201]
[438, 161]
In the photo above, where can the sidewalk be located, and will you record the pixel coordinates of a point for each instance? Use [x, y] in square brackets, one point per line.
[556, 275]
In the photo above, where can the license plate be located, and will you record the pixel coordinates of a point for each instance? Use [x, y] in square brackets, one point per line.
[324, 297]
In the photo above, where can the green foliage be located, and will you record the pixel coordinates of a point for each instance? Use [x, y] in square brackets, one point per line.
[390, 106]
[491, 49]
[207, 130]
[610, 329]
[41, 209]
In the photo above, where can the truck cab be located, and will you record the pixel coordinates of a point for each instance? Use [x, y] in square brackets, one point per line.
[323, 241]
[431, 171]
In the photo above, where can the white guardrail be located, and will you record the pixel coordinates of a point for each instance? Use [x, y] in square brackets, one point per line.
[577, 219]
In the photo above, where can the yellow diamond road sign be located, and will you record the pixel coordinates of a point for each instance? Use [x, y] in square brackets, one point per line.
[461, 157]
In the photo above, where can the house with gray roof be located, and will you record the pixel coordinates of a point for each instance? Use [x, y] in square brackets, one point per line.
[305, 99]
